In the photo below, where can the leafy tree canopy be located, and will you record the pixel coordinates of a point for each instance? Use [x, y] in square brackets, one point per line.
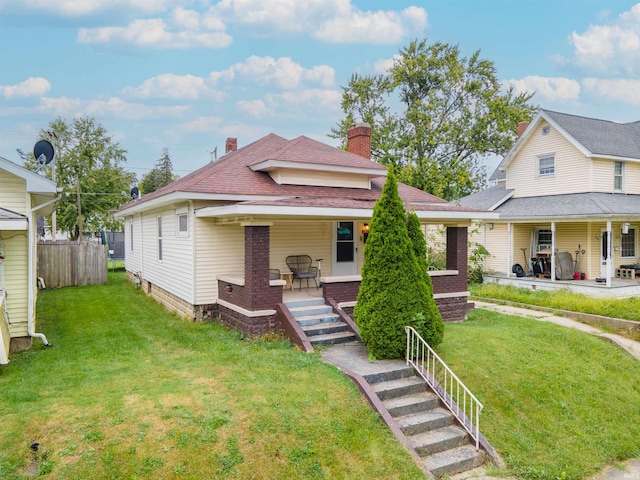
[88, 165]
[161, 175]
[451, 113]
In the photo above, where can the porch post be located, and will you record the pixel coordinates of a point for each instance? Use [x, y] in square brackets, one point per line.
[457, 253]
[553, 251]
[510, 249]
[609, 254]
[256, 265]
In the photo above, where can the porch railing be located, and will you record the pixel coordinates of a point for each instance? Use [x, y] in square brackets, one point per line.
[454, 394]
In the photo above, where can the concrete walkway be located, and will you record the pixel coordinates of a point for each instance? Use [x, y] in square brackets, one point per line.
[627, 344]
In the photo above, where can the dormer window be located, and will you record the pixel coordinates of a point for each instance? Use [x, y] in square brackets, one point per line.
[546, 165]
[618, 176]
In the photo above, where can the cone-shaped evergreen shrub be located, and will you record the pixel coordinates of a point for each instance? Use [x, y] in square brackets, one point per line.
[432, 327]
[393, 291]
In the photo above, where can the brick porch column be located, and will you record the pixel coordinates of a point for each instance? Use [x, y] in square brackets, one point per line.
[256, 266]
[457, 254]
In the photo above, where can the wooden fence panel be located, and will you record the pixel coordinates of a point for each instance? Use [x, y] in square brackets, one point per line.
[64, 264]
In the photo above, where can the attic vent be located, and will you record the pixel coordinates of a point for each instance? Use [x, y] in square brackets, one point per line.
[546, 129]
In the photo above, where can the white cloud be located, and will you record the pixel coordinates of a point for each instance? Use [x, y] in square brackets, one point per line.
[557, 88]
[32, 86]
[283, 73]
[78, 8]
[383, 65]
[311, 101]
[173, 86]
[115, 107]
[612, 48]
[625, 91]
[332, 21]
[202, 124]
[156, 33]
[255, 108]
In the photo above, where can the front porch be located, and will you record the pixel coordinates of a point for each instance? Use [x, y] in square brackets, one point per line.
[619, 288]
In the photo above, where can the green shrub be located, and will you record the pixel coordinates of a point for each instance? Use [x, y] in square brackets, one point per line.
[393, 288]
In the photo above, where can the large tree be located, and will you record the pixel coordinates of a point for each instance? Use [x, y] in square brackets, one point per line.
[89, 169]
[451, 113]
[160, 175]
[393, 292]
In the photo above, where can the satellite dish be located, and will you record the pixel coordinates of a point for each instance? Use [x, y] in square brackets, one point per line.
[135, 193]
[43, 151]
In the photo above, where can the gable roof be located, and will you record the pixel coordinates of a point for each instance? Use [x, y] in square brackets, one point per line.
[35, 183]
[592, 136]
[233, 178]
[487, 199]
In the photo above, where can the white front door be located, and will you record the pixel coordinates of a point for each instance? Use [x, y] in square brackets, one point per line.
[604, 253]
[345, 258]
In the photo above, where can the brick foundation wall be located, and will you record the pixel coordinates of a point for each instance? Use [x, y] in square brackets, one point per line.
[248, 326]
[453, 309]
[341, 291]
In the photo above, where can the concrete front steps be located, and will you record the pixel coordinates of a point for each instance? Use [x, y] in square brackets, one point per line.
[321, 325]
[444, 447]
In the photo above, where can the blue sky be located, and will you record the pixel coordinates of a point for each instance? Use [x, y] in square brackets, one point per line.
[187, 74]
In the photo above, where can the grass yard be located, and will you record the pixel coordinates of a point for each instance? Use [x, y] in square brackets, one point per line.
[558, 403]
[129, 391]
[626, 308]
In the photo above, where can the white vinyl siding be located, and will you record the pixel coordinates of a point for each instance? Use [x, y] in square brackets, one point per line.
[13, 193]
[16, 262]
[133, 240]
[175, 272]
[328, 179]
[312, 238]
[497, 244]
[571, 170]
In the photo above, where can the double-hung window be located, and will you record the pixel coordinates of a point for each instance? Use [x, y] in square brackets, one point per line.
[628, 243]
[182, 222]
[618, 176]
[546, 165]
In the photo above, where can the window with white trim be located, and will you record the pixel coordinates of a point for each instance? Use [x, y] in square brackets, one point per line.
[546, 165]
[628, 243]
[159, 220]
[131, 235]
[618, 176]
[182, 222]
[544, 239]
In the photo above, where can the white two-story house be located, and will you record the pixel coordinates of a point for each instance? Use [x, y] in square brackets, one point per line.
[571, 186]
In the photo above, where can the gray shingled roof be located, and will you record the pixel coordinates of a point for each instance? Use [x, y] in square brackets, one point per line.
[571, 205]
[485, 199]
[601, 136]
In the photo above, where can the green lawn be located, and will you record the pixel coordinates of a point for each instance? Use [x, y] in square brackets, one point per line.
[626, 308]
[558, 403]
[129, 391]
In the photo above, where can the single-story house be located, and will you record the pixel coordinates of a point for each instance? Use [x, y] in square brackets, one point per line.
[568, 195]
[204, 244]
[23, 196]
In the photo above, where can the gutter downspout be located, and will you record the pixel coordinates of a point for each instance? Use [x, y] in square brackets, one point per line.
[30, 280]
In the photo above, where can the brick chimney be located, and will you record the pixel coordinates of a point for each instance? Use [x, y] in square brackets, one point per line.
[232, 145]
[359, 139]
[522, 126]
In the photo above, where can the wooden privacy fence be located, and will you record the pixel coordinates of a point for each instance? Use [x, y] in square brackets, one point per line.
[64, 264]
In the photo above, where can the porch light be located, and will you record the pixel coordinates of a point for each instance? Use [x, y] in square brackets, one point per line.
[490, 226]
[365, 232]
[624, 230]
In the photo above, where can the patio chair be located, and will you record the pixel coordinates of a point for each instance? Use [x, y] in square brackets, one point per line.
[300, 266]
[274, 274]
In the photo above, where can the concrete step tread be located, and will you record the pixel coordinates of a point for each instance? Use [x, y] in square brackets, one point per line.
[438, 418]
[454, 461]
[400, 371]
[308, 320]
[397, 383]
[340, 337]
[310, 308]
[304, 303]
[409, 400]
[319, 327]
[434, 437]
